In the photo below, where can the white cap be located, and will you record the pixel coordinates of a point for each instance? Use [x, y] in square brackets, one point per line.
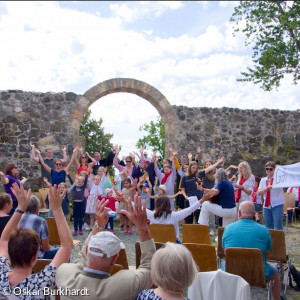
[107, 190]
[163, 187]
[105, 244]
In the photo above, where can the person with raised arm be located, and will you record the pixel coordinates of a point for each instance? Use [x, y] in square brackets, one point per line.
[19, 249]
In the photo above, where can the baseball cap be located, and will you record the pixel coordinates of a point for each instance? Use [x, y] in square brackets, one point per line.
[106, 191]
[104, 244]
[145, 184]
[163, 187]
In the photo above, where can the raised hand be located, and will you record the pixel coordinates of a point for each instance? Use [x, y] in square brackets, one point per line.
[45, 179]
[56, 197]
[220, 159]
[101, 212]
[38, 151]
[22, 196]
[141, 150]
[198, 150]
[190, 156]
[64, 148]
[31, 145]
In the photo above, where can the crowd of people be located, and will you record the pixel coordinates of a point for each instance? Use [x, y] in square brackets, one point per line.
[145, 191]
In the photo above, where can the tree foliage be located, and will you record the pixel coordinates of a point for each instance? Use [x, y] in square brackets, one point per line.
[95, 138]
[155, 137]
[273, 27]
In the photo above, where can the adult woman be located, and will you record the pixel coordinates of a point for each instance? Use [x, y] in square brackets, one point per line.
[189, 185]
[173, 269]
[5, 208]
[273, 199]
[226, 207]
[19, 249]
[163, 214]
[82, 164]
[10, 177]
[245, 183]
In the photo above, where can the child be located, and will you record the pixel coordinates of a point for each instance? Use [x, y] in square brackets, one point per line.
[126, 195]
[146, 190]
[78, 203]
[93, 198]
[162, 190]
[111, 205]
[257, 200]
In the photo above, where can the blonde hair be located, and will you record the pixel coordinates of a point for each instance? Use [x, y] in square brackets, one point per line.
[247, 169]
[173, 267]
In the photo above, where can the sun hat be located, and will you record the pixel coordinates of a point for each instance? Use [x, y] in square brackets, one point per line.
[107, 190]
[104, 244]
[163, 187]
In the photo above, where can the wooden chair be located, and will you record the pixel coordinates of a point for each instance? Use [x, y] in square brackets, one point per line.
[162, 233]
[278, 252]
[54, 237]
[116, 268]
[289, 206]
[247, 263]
[44, 192]
[220, 250]
[204, 256]
[122, 259]
[138, 252]
[195, 233]
[40, 265]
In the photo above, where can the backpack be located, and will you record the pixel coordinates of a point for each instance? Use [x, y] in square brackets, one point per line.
[295, 274]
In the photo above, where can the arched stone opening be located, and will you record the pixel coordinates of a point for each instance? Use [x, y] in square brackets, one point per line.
[139, 88]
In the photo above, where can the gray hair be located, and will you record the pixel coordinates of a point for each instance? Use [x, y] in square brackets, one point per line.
[173, 267]
[220, 174]
[33, 205]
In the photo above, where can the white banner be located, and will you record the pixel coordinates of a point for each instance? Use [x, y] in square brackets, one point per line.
[287, 176]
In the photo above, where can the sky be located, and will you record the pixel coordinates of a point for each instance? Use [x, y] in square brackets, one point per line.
[185, 49]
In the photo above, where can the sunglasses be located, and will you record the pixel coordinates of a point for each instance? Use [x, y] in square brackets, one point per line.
[128, 161]
[83, 157]
[269, 169]
[58, 164]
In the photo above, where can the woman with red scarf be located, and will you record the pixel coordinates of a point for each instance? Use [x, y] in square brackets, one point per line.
[245, 183]
[273, 199]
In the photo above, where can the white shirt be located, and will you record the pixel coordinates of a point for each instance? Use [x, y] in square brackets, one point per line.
[277, 196]
[249, 184]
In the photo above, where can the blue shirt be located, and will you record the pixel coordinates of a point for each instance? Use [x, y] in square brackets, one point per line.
[226, 195]
[58, 177]
[246, 233]
[190, 186]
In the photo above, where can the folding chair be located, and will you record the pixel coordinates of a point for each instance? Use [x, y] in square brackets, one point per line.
[247, 263]
[122, 259]
[54, 237]
[138, 252]
[220, 250]
[40, 265]
[195, 233]
[278, 252]
[289, 206]
[162, 233]
[204, 256]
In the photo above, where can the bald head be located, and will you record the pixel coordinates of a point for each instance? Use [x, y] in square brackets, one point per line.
[246, 210]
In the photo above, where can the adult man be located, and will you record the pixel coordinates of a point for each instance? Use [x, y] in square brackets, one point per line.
[247, 233]
[105, 162]
[49, 161]
[99, 254]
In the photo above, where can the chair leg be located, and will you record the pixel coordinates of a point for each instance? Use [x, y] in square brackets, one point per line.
[73, 252]
[269, 285]
[287, 276]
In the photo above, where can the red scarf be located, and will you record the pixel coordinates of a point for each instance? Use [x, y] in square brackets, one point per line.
[254, 194]
[268, 197]
[239, 191]
[163, 181]
[298, 192]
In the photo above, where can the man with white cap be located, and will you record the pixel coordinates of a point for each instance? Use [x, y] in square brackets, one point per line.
[91, 271]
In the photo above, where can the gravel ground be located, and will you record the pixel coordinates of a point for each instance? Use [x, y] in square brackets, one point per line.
[292, 246]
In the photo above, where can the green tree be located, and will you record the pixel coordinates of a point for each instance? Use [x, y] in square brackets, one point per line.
[95, 138]
[273, 27]
[155, 137]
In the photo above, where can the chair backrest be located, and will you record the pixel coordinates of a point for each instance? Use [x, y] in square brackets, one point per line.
[116, 268]
[247, 263]
[220, 250]
[278, 252]
[138, 252]
[195, 233]
[204, 256]
[122, 259]
[162, 233]
[44, 192]
[289, 199]
[40, 265]
[53, 233]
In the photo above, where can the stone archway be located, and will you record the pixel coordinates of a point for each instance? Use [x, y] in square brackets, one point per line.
[139, 88]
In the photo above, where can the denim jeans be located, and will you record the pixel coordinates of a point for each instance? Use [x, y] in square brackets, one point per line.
[50, 254]
[274, 217]
[78, 212]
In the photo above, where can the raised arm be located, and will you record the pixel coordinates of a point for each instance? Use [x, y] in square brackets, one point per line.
[67, 168]
[65, 157]
[4, 180]
[23, 198]
[115, 161]
[212, 167]
[64, 252]
[46, 167]
[32, 153]
[93, 160]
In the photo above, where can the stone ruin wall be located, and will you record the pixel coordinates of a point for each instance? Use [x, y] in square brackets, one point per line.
[53, 119]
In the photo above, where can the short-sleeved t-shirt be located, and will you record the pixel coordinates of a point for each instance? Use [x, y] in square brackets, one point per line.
[38, 224]
[147, 197]
[246, 233]
[58, 177]
[35, 283]
[226, 195]
[9, 185]
[190, 185]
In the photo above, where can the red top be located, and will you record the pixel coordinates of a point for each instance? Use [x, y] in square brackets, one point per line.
[111, 203]
[80, 169]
